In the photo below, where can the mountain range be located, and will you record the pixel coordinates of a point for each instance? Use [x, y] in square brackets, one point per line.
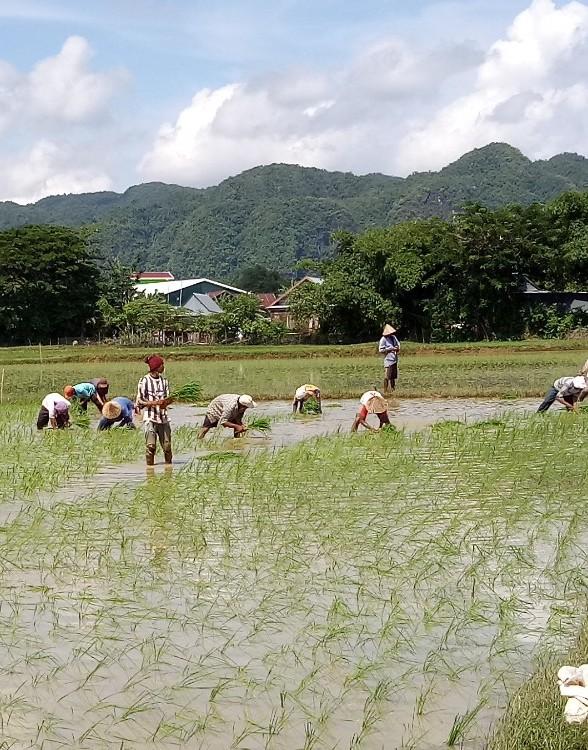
[278, 214]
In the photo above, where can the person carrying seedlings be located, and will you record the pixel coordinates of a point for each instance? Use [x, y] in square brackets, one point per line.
[584, 372]
[117, 412]
[303, 394]
[389, 346]
[83, 393]
[54, 412]
[566, 391]
[153, 397]
[372, 402]
[227, 410]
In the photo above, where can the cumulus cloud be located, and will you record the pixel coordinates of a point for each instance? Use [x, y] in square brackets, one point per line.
[49, 169]
[59, 88]
[393, 108]
[47, 116]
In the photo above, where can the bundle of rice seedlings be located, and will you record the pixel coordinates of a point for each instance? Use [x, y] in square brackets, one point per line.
[389, 429]
[78, 417]
[259, 424]
[311, 406]
[190, 392]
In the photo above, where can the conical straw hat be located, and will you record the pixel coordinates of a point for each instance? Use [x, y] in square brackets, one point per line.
[111, 410]
[377, 405]
[388, 330]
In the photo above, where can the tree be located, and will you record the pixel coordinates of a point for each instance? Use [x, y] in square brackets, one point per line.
[258, 278]
[48, 283]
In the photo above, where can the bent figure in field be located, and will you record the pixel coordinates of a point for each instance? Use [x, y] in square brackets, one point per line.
[153, 397]
[118, 412]
[303, 393]
[372, 402]
[54, 412]
[389, 346]
[101, 385]
[565, 391]
[83, 393]
[584, 372]
[227, 410]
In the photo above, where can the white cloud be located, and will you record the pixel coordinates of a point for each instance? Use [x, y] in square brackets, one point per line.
[59, 88]
[48, 169]
[394, 108]
[52, 118]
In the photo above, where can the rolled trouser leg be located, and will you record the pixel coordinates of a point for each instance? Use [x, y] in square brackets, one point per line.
[43, 418]
[548, 400]
[164, 431]
[150, 443]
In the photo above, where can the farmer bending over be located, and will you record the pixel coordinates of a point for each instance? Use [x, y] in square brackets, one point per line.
[118, 412]
[84, 393]
[302, 395]
[227, 410]
[566, 391]
[372, 402]
[54, 412]
[153, 397]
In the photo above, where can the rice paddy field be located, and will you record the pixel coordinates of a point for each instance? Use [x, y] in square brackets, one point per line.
[408, 589]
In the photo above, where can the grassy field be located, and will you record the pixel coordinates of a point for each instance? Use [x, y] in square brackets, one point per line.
[363, 591]
[114, 353]
[473, 371]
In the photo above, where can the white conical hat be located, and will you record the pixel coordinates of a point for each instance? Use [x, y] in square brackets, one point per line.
[388, 330]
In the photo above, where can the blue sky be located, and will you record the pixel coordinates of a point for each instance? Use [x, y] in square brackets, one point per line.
[108, 94]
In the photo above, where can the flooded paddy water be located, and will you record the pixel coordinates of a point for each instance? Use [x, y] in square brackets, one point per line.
[297, 591]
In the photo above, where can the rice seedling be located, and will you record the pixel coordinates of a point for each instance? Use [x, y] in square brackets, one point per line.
[259, 424]
[311, 406]
[241, 599]
[189, 392]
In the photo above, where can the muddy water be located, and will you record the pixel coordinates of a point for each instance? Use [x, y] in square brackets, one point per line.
[207, 605]
[338, 416]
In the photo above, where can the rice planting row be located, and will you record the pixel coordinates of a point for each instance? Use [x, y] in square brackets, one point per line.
[448, 375]
[374, 591]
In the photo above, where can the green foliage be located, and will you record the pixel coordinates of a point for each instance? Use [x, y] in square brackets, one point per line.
[48, 283]
[258, 278]
[259, 424]
[276, 215]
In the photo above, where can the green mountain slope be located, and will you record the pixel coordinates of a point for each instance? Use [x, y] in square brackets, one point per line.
[280, 213]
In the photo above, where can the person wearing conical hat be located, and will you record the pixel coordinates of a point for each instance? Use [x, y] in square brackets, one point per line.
[303, 393]
[117, 412]
[371, 402]
[389, 346]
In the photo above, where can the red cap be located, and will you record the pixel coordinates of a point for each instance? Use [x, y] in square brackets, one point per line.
[154, 361]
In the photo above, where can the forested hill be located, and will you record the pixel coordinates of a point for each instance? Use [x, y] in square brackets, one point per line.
[277, 214]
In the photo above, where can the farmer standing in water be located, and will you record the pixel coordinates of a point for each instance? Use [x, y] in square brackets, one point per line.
[153, 397]
[389, 346]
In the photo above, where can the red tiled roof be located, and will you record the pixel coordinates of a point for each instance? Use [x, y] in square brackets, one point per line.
[153, 276]
[266, 298]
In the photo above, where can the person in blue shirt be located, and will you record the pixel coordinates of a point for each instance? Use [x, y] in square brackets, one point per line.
[117, 412]
[84, 393]
[389, 346]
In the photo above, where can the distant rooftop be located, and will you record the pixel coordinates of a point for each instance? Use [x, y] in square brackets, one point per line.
[168, 287]
[151, 277]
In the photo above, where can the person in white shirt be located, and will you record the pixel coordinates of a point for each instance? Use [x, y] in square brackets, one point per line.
[565, 391]
[371, 402]
[303, 393]
[54, 412]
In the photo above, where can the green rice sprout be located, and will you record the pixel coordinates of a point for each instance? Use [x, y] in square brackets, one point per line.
[259, 424]
[311, 406]
[189, 392]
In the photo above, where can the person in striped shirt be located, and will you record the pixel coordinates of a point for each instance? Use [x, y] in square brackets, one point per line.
[153, 398]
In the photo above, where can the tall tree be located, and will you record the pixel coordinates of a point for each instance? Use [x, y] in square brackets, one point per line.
[48, 283]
